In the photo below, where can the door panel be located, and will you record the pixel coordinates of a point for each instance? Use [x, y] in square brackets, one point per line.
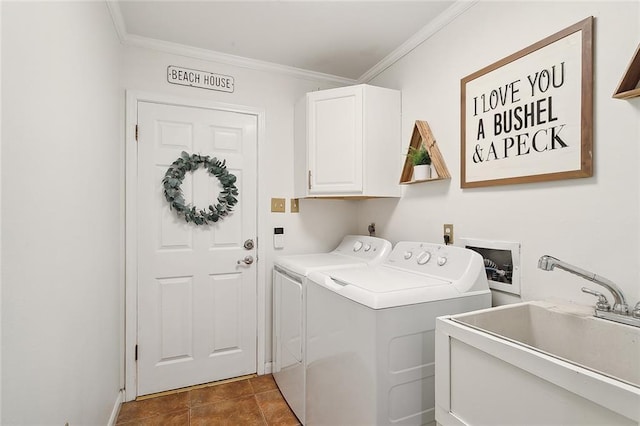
[226, 299]
[196, 304]
[174, 296]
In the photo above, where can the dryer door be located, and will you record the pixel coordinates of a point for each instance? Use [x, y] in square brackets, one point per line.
[288, 321]
[288, 340]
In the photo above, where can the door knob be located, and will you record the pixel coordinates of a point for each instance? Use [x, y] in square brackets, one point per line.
[248, 260]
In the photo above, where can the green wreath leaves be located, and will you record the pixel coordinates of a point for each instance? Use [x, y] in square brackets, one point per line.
[189, 163]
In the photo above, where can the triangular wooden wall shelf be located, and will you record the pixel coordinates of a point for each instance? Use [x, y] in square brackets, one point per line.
[422, 135]
[628, 87]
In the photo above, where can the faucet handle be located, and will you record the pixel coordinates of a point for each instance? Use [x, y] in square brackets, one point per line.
[602, 304]
[636, 311]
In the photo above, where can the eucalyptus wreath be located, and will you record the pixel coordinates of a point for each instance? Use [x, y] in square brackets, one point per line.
[189, 163]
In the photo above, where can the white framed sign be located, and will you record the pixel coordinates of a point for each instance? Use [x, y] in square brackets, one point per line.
[528, 117]
[200, 79]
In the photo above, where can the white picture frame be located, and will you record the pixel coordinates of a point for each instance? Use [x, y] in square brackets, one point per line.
[529, 117]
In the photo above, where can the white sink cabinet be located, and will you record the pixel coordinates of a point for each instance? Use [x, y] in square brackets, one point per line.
[348, 143]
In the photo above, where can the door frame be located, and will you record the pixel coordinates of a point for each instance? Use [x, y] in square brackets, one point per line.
[133, 97]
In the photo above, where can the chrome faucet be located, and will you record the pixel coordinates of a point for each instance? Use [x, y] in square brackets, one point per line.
[547, 263]
[620, 310]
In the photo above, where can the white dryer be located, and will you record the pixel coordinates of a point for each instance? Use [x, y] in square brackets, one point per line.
[289, 272]
[371, 333]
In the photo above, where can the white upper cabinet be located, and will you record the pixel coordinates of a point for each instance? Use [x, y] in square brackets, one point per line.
[347, 143]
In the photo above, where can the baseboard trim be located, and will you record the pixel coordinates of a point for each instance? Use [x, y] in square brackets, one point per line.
[267, 368]
[116, 408]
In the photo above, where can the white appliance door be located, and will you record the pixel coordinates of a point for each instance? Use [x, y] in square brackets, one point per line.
[288, 367]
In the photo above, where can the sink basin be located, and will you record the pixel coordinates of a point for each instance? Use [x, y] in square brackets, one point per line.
[536, 363]
[569, 332]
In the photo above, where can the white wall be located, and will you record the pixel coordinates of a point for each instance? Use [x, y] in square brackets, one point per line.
[592, 222]
[0, 211]
[321, 223]
[61, 277]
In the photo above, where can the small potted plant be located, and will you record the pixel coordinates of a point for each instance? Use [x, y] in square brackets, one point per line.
[421, 162]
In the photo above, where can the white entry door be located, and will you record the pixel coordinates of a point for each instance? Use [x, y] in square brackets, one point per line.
[196, 302]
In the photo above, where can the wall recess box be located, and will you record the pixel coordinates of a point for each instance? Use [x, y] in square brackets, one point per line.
[277, 205]
[501, 262]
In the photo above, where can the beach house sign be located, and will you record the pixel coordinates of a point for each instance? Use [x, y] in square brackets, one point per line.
[200, 79]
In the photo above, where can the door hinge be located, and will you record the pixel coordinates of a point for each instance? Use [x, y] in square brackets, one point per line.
[309, 179]
[136, 353]
[136, 132]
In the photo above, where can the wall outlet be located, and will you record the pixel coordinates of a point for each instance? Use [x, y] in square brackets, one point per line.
[448, 233]
[295, 205]
[277, 205]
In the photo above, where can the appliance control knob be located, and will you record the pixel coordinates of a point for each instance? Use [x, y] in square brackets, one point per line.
[442, 261]
[407, 255]
[357, 245]
[367, 247]
[423, 257]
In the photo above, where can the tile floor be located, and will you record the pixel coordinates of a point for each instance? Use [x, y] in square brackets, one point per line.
[253, 401]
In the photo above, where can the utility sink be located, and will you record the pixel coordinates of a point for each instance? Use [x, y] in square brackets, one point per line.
[569, 332]
[534, 363]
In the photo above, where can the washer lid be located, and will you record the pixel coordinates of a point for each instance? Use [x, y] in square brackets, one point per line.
[385, 287]
[383, 279]
[303, 264]
[353, 251]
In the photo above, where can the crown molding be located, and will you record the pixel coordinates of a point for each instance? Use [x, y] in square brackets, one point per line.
[210, 55]
[441, 21]
[118, 20]
[225, 58]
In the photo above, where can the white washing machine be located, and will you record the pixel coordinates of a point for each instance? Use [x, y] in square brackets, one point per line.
[289, 272]
[371, 333]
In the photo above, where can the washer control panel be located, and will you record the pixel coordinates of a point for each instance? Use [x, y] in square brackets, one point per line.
[439, 260]
[364, 247]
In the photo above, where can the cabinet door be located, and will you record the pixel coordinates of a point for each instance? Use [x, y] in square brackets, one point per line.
[334, 126]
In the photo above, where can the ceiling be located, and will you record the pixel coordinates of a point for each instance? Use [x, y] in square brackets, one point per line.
[340, 38]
